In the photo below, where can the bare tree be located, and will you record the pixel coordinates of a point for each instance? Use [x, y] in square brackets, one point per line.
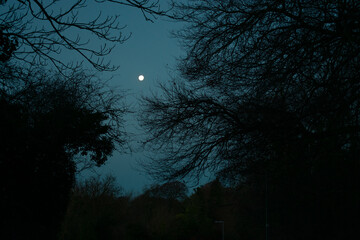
[261, 80]
[40, 30]
[96, 187]
[269, 96]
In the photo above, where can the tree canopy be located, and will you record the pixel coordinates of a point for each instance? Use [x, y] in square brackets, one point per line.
[269, 92]
[50, 123]
[259, 77]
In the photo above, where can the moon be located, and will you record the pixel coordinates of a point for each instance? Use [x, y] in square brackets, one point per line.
[141, 78]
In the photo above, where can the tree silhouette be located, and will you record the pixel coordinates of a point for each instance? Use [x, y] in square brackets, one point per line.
[43, 30]
[269, 92]
[48, 122]
[52, 120]
[96, 209]
[170, 190]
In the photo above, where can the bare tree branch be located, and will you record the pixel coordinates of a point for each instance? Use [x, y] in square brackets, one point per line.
[43, 30]
[262, 80]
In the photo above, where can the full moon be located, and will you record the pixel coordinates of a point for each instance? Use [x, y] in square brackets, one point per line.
[141, 77]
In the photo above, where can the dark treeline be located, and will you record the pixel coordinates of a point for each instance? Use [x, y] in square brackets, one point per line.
[99, 210]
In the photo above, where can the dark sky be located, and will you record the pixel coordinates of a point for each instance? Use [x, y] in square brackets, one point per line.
[150, 51]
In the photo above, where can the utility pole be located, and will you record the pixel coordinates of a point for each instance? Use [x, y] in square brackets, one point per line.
[222, 228]
[266, 207]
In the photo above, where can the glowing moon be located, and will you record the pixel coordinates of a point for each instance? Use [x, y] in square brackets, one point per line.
[141, 77]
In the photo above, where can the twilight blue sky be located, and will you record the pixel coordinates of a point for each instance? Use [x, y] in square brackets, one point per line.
[150, 51]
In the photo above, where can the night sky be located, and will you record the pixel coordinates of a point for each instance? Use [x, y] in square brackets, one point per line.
[268, 104]
[150, 51]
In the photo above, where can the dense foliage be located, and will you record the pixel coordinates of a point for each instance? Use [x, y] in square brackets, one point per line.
[49, 124]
